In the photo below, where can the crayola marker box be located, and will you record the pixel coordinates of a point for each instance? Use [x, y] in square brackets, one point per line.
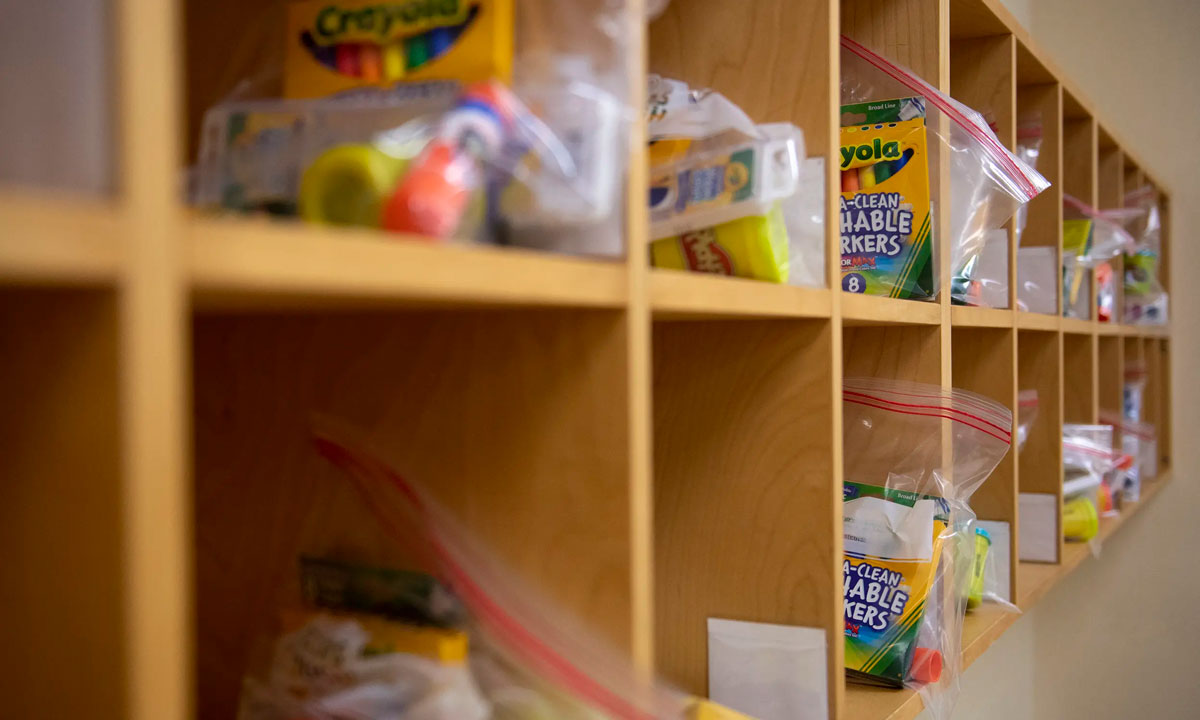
[886, 232]
[338, 45]
[892, 543]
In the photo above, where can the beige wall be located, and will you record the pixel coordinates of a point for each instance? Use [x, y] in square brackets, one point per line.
[1120, 638]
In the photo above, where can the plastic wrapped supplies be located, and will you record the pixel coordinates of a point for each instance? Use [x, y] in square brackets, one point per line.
[909, 529]
[728, 196]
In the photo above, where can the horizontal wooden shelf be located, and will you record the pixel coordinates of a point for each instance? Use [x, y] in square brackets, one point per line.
[874, 310]
[1037, 321]
[982, 628]
[1078, 326]
[255, 263]
[967, 316]
[50, 239]
[1148, 331]
[1108, 328]
[676, 294]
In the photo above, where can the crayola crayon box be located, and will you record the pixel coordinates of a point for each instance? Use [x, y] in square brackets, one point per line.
[338, 45]
[886, 231]
[892, 543]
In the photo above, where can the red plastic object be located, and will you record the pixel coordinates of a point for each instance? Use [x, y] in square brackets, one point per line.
[926, 665]
[433, 196]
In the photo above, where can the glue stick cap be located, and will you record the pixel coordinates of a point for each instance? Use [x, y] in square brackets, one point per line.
[926, 665]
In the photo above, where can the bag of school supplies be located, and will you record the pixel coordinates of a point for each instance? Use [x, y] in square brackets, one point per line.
[466, 122]
[1145, 297]
[729, 196]
[885, 238]
[909, 529]
[528, 657]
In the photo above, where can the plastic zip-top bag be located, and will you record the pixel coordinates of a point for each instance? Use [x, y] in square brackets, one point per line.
[909, 528]
[727, 195]
[527, 656]
[987, 182]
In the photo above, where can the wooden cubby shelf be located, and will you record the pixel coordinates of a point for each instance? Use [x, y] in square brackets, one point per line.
[58, 240]
[648, 447]
[258, 264]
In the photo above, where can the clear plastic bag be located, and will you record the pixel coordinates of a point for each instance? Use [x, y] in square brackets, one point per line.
[1139, 441]
[506, 133]
[988, 182]
[729, 196]
[1027, 411]
[1108, 238]
[527, 655]
[1029, 146]
[909, 528]
[1145, 297]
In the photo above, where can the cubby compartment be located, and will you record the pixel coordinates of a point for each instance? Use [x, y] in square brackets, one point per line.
[516, 421]
[983, 76]
[1080, 144]
[747, 433]
[1111, 367]
[1040, 465]
[1080, 401]
[1152, 402]
[1040, 116]
[62, 505]
[1110, 193]
[985, 362]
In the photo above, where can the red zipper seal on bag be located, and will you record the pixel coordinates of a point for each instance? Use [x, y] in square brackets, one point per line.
[933, 95]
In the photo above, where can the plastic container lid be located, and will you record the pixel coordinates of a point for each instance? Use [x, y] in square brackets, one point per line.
[926, 665]
[984, 533]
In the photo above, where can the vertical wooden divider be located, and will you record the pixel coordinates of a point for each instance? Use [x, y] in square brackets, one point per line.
[152, 317]
[638, 329]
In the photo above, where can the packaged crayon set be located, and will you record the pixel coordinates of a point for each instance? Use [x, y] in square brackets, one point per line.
[892, 545]
[909, 532]
[886, 230]
[346, 44]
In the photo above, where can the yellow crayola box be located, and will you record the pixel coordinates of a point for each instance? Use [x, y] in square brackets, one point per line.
[336, 45]
[892, 544]
[887, 243]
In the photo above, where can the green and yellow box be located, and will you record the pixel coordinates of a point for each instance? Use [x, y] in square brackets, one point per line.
[339, 45]
[886, 231]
